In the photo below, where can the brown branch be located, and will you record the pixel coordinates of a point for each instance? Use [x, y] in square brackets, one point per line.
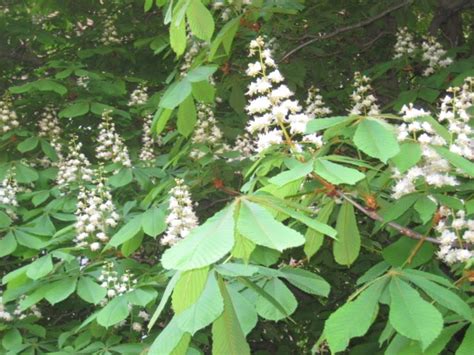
[410, 233]
[347, 28]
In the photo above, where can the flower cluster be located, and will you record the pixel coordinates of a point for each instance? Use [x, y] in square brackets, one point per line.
[456, 236]
[95, 216]
[228, 6]
[114, 284]
[8, 190]
[83, 81]
[50, 128]
[109, 34]
[207, 133]
[80, 28]
[75, 167]
[111, 146]
[181, 219]
[315, 106]
[364, 102]
[147, 154]
[244, 146]
[139, 96]
[432, 168]
[405, 45]
[8, 116]
[193, 49]
[143, 317]
[9, 315]
[274, 114]
[435, 55]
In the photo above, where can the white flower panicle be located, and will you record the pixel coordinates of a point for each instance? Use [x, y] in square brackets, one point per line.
[139, 96]
[114, 283]
[405, 45]
[8, 190]
[110, 35]
[207, 133]
[147, 153]
[272, 110]
[433, 169]
[95, 216]
[244, 146]
[111, 146]
[181, 219]
[50, 129]
[456, 236]
[8, 116]
[83, 81]
[435, 55]
[364, 102]
[75, 167]
[315, 106]
[193, 48]
[9, 313]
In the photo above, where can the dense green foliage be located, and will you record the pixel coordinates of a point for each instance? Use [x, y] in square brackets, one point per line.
[137, 217]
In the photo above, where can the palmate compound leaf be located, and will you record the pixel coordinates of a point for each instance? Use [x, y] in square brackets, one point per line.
[227, 334]
[258, 225]
[205, 310]
[411, 315]
[205, 244]
[354, 318]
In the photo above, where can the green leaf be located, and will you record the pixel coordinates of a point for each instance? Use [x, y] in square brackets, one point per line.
[306, 281]
[204, 245]
[154, 222]
[347, 246]
[168, 339]
[176, 94]
[426, 208]
[409, 155]
[225, 37]
[391, 211]
[40, 197]
[227, 334]
[114, 312]
[442, 295]
[337, 174]
[132, 245]
[233, 269]
[188, 288]
[205, 310]
[178, 37]
[160, 119]
[186, 116]
[75, 110]
[11, 339]
[141, 296]
[468, 342]
[204, 91]
[201, 73]
[8, 244]
[397, 253]
[376, 139]
[164, 299]
[25, 174]
[123, 177]
[456, 160]
[147, 5]
[246, 313]
[295, 173]
[363, 310]
[40, 267]
[257, 224]
[28, 144]
[282, 295]
[5, 220]
[314, 238]
[411, 315]
[243, 247]
[127, 232]
[60, 290]
[319, 124]
[90, 291]
[200, 20]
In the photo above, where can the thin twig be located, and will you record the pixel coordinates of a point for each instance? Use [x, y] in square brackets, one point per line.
[347, 28]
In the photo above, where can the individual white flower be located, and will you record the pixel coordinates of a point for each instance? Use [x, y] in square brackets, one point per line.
[75, 167]
[139, 96]
[435, 55]
[267, 139]
[181, 219]
[364, 103]
[405, 45]
[114, 283]
[137, 327]
[111, 147]
[8, 117]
